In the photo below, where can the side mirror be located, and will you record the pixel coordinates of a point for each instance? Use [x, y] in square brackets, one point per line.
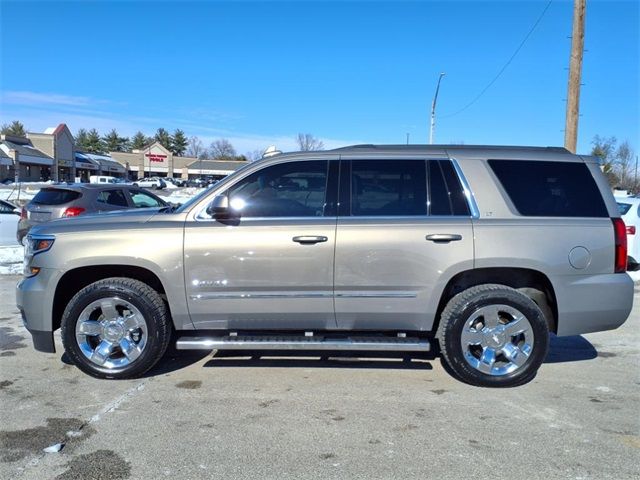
[219, 207]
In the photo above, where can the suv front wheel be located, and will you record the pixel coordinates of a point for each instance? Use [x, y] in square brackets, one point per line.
[493, 336]
[115, 328]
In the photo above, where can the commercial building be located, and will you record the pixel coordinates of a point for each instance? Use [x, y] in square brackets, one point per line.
[39, 156]
[156, 161]
[52, 155]
[216, 169]
[18, 155]
[59, 144]
[88, 164]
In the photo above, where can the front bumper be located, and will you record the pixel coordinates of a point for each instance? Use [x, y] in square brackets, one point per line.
[34, 299]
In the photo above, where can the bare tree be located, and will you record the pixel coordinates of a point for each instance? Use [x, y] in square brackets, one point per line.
[307, 142]
[604, 148]
[222, 149]
[254, 155]
[618, 162]
[624, 166]
[194, 147]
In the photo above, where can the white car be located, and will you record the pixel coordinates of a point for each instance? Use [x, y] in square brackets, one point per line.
[9, 216]
[151, 182]
[630, 211]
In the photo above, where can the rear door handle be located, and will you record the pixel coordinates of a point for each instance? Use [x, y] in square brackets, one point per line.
[444, 237]
[309, 239]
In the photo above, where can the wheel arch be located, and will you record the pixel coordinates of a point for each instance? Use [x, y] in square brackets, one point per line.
[76, 279]
[533, 283]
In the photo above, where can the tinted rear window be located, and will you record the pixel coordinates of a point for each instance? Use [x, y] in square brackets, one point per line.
[550, 189]
[52, 196]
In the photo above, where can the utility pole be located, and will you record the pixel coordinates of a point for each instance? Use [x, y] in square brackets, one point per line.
[575, 74]
[433, 109]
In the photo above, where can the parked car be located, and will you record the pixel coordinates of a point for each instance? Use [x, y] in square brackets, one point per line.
[102, 179]
[156, 183]
[9, 216]
[480, 251]
[71, 200]
[630, 211]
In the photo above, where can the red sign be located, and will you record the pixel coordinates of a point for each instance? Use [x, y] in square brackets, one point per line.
[155, 157]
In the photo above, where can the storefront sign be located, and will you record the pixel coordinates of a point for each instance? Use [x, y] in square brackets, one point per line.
[155, 157]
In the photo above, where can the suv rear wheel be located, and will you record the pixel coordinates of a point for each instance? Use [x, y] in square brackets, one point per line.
[115, 328]
[493, 336]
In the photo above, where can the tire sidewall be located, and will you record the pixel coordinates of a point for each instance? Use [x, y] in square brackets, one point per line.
[503, 297]
[71, 316]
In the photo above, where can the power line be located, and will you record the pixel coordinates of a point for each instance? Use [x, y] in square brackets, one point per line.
[505, 65]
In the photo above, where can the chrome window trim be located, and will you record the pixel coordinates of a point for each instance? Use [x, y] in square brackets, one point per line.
[471, 200]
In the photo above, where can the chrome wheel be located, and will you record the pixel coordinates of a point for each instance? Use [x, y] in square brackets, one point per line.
[111, 333]
[497, 339]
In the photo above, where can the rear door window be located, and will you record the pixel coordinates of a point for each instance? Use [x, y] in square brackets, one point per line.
[113, 197]
[388, 188]
[550, 189]
[446, 195]
[54, 196]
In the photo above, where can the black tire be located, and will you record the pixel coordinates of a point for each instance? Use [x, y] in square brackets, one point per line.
[463, 308]
[139, 295]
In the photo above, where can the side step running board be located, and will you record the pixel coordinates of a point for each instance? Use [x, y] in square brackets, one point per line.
[278, 342]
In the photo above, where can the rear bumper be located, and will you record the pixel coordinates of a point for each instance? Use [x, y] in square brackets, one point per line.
[34, 299]
[592, 303]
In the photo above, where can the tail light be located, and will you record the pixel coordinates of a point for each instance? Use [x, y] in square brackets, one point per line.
[23, 214]
[73, 211]
[620, 234]
[631, 230]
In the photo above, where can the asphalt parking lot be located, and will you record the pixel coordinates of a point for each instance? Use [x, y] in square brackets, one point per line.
[293, 417]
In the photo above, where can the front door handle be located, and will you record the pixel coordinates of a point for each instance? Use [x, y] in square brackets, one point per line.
[309, 239]
[444, 237]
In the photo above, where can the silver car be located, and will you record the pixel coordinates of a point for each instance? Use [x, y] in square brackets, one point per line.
[478, 251]
[71, 200]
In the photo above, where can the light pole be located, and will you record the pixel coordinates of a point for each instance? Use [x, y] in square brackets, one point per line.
[433, 109]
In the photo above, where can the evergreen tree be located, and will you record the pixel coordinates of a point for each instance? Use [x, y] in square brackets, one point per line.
[81, 139]
[179, 142]
[94, 142]
[164, 138]
[16, 128]
[139, 141]
[114, 142]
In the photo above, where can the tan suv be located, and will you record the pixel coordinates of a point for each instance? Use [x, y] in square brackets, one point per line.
[480, 251]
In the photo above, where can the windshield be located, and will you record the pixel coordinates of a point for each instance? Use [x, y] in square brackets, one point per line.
[190, 203]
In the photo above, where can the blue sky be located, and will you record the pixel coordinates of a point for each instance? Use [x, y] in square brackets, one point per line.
[258, 73]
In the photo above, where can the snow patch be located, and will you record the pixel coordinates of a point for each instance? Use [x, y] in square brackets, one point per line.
[11, 260]
[635, 276]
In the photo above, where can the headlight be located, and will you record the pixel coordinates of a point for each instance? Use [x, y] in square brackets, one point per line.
[34, 245]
